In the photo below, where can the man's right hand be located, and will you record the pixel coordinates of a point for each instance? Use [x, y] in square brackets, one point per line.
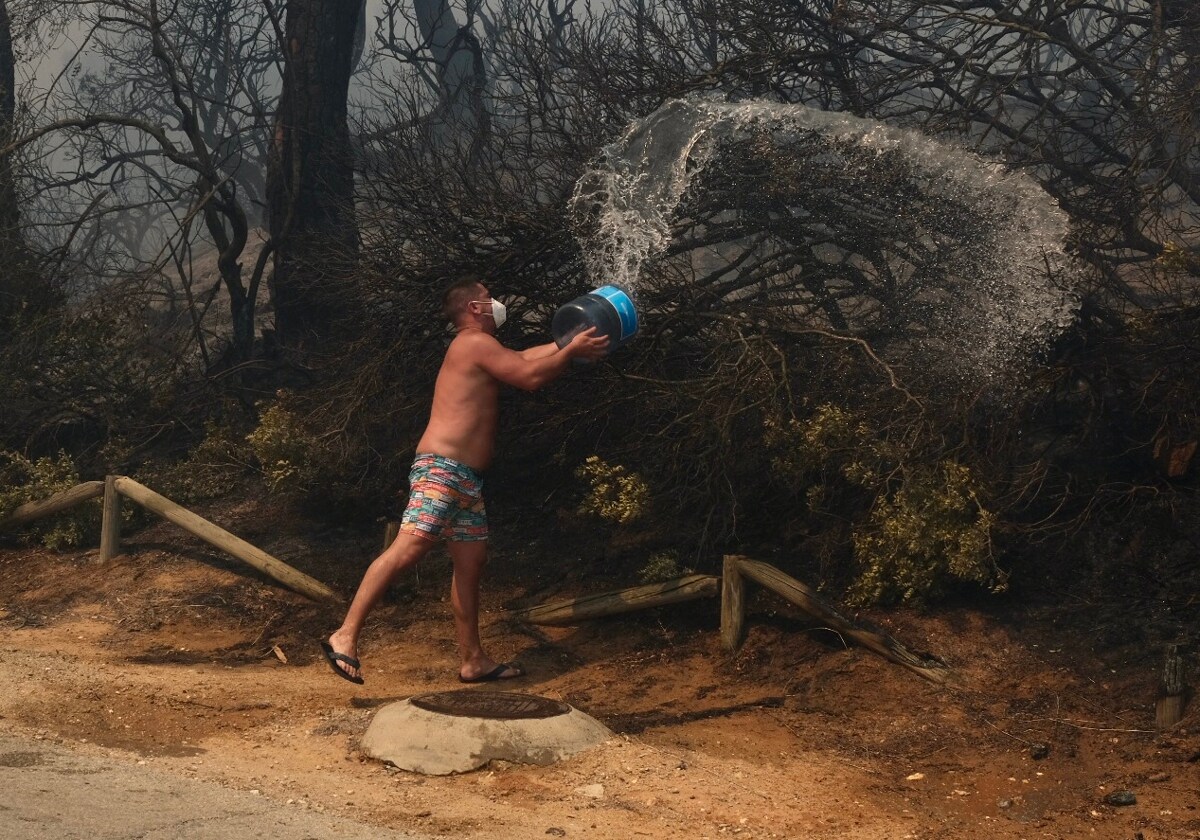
[588, 346]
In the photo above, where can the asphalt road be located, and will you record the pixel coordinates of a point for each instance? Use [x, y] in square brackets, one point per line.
[47, 792]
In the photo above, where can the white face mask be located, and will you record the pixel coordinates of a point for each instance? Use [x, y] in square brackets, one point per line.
[499, 311]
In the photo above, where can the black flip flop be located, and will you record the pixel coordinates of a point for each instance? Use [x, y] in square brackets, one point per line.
[333, 658]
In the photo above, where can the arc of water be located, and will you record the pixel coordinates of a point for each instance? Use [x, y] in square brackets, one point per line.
[1004, 299]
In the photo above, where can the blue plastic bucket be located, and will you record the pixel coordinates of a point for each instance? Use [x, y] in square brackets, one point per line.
[609, 309]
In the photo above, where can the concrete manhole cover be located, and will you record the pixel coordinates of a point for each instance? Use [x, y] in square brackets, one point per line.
[457, 731]
[492, 705]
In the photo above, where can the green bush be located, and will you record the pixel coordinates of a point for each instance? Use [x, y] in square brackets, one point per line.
[931, 531]
[23, 481]
[614, 493]
[831, 440]
[320, 462]
[661, 567]
[918, 526]
[210, 470]
[288, 453]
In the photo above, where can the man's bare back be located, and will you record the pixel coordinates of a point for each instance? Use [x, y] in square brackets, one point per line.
[462, 420]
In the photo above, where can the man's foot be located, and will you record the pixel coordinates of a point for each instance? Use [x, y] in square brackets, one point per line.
[344, 665]
[503, 671]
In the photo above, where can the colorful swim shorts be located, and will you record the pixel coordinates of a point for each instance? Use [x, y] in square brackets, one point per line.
[445, 500]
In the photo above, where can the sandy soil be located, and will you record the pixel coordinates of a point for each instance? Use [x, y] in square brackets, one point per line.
[192, 663]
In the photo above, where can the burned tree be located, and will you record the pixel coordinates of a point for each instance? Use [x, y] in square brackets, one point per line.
[24, 294]
[8, 103]
[310, 183]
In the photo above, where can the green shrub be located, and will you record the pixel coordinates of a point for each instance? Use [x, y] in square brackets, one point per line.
[209, 471]
[289, 454]
[321, 462]
[614, 493]
[931, 531]
[23, 481]
[917, 526]
[832, 440]
[662, 566]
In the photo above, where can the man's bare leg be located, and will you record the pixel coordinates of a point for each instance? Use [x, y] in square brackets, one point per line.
[469, 559]
[404, 552]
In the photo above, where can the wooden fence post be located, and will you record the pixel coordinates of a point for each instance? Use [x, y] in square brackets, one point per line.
[1168, 710]
[733, 604]
[390, 531]
[110, 524]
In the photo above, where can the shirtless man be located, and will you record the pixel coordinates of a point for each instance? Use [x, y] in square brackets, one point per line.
[445, 500]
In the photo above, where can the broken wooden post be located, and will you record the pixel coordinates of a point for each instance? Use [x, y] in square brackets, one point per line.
[1168, 711]
[733, 604]
[807, 600]
[222, 539]
[390, 531]
[57, 503]
[110, 523]
[620, 601]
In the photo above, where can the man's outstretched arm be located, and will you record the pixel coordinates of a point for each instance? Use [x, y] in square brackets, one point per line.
[529, 374]
[539, 352]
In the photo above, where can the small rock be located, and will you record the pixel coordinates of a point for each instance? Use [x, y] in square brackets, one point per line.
[1121, 797]
[556, 832]
[591, 791]
[1159, 777]
[914, 777]
[1004, 803]
[1039, 751]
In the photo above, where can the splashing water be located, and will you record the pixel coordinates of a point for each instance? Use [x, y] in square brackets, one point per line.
[963, 256]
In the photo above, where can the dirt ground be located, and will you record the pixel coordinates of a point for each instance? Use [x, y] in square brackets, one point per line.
[182, 658]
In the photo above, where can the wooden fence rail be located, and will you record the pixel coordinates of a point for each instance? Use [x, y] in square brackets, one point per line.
[31, 511]
[738, 569]
[621, 601]
[115, 486]
[222, 539]
[732, 588]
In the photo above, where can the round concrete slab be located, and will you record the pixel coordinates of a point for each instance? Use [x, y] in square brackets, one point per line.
[457, 731]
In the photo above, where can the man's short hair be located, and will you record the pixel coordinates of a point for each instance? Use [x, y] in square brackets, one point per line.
[458, 294]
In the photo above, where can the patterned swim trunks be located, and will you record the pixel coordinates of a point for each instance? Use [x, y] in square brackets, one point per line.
[445, 500]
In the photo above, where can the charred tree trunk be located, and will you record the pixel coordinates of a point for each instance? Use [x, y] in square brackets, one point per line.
[22, 292]
[310, 186]
[1185, 16]
[9, 217]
